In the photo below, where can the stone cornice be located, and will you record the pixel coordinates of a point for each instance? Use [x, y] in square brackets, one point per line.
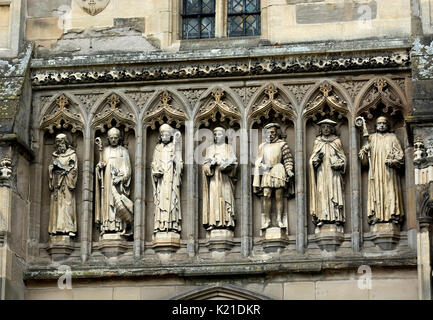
[220, 269]
[216, 67]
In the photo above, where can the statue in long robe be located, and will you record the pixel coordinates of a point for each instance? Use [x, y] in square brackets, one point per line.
[63, 173]
[273, 171]
[113, 209]
[219, 169]
[327, 165]
[166, 171]
[385, 156]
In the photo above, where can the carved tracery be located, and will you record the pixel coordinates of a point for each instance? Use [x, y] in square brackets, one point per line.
[216, 106]
[112, 111]
[164, 112]
[271, 102]
[380, 92]
[62, 117]
[327, 102]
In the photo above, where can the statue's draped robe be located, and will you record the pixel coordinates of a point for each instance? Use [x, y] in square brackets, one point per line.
[111, 199]
[218, 192]
[278, 156]
[63, 217]
[166, 189]
[384, 189]
[326, 184]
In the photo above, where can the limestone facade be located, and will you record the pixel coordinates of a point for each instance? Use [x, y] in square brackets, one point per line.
[127, 66]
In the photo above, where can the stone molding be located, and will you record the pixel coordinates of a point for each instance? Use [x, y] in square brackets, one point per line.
[209, 69]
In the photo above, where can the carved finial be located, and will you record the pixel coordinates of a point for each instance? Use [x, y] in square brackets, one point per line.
[62, 101]
[113, 101]
[326, 88]
[380, 84]
[271, 91]
[165, 99]
[218, 94]
[5, 171]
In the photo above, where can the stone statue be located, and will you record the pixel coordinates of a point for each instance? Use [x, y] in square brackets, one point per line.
[219, 168]
[327, 166]
[385, 156]
[167, 166]
[113, 209]
[63, 173]
[273, 171]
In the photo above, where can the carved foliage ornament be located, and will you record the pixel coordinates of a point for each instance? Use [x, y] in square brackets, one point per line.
[216, 106]
[112, 112]
[283, 65]
[62, 117]
[92, 7]
[272, 103]
[382, 92]
[316, 108]
[164, 110]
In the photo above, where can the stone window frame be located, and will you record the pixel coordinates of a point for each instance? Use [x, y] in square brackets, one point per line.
[221, 21]
[426, 13]
[15, 30]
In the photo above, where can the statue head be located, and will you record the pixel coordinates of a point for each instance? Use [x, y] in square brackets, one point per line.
[382, 124]
[272, 132]
[219, 135]
[62, 143]
[165, 133]
[327, 127]
[113, 137]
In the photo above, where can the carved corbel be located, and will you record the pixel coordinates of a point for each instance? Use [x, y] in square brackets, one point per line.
[62, 118]
[92, 7]
[270, 103]
[164, 112]
[326, 103]
[5, 172]
[112, 112]
[216, 106]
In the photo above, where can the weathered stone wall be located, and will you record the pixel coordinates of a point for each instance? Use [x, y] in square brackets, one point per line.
[131, 48]
[62, 26]
[397, 284]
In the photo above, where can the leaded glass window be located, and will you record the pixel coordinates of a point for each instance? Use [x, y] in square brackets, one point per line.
[198, 19]
[243, 18]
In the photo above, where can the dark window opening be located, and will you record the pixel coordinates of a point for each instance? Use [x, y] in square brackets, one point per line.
[198, 19]
[243, 18]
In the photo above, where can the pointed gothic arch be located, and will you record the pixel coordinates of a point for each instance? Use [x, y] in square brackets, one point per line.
[62, 112]
[221, 292]
[165, 106]
[271, 98]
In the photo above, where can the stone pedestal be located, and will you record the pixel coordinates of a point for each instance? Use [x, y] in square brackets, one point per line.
[112, 245]
[220, 240]
[385, 235]
[329, 237]
[166, 241]
[60, 247]
[275, 239]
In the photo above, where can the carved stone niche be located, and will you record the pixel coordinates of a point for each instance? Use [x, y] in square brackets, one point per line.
[165, 115]
[218, 119]
[326, 106]
[272, 105]
[62, 117]
[383, 99]
[114, 154]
